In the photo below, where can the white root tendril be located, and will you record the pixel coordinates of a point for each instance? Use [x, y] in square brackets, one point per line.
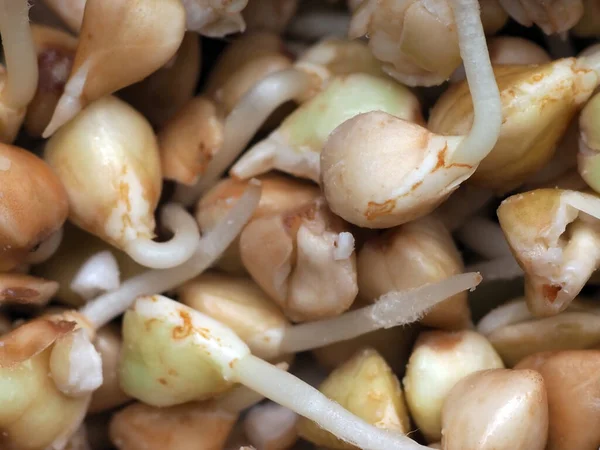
[176, 251]
[244, 121]
[46, 249]
[391, 310]
[296, 395]
[98, 274]
[487, 106]
[105, 308]
[19, 53]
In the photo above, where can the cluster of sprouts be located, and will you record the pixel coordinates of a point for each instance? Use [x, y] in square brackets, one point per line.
[281, 244]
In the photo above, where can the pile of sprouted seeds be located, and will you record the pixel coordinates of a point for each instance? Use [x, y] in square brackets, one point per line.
[232, 224]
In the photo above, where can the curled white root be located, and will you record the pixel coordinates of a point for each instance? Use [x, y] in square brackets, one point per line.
[176, 251]
[111, 305]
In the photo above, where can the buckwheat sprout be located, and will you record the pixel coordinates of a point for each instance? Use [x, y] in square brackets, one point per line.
[484, 237]
[19, 53]
[162, 255]
[105, 308]
[244, 121]
[369, 182]
[46, 249]
[195, 340]
[391, 310]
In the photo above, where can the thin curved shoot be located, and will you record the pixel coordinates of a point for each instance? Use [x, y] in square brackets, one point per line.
[105, 308]
[486, 97]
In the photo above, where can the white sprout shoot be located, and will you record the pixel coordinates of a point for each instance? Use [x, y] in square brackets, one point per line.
[19, 53]
[105, 308]
[505, 268]
[227, 353]
[244, 121]
[98, 274]
[177, 250]
[391, 310]
[298, 396]
[487, 118]
[484, 237]
[46, 249]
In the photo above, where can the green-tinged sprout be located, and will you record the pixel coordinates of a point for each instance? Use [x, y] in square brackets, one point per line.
[552, 17]
[34, 207]
[439, 360]
[417, 40]
[119, 44]
[497, 409]
[107, 158]
[515, 333]
[556, 243]
[55, 52]
[18, 86]
[538, 103]
[588, 158]
[403, 171]
[409, 256]
[36, 414]
[160, 95]
[367, 387]
[279, 194]
[306, 78]
[573, 396]
[295, 146]
[164, 342]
